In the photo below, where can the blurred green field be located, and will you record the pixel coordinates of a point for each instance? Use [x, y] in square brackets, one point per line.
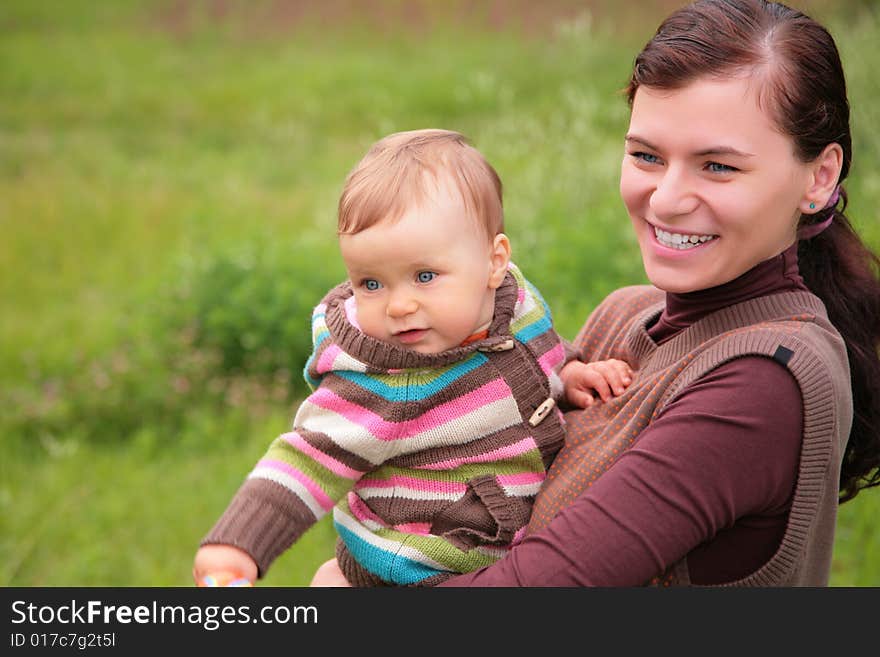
[169, 172]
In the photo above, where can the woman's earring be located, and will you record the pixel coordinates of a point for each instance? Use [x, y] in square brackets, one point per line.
[812, 206]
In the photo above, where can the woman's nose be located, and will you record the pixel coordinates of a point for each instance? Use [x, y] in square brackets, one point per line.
[674, 195]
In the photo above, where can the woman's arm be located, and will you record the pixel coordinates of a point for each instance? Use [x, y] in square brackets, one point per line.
[726, 451]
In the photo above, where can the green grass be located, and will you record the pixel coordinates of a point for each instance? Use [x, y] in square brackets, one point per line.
[132, 516]
[143, 144]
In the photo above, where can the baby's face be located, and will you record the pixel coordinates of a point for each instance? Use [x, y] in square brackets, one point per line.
[426, 281]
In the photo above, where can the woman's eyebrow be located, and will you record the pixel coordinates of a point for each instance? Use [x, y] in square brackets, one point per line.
[724, 150]
[643, 142]
[713, 150]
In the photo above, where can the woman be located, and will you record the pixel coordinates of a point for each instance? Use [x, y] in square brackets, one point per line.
[751, 412]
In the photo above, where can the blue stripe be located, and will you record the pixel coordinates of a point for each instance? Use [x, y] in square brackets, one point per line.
[414, 391]
[312, 383]
[390, 566]
[320, 337]
[534, 329]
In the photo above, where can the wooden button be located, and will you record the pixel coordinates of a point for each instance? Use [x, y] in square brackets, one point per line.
[542, 411]
[507, 345]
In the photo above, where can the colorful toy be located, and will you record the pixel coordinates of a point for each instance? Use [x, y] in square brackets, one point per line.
[225, 578]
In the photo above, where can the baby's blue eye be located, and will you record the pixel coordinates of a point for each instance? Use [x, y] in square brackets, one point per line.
[426, 276]
[371, 284]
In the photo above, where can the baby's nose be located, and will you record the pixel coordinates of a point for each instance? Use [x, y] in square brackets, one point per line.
[401, 304]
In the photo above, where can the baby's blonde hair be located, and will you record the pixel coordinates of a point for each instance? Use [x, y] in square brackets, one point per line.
[400, 170]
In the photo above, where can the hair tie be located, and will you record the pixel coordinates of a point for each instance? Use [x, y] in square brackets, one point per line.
[835, 197]
[812, 230]
[806, 232]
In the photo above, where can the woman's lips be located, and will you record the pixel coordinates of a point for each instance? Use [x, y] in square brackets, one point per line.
[674, 245]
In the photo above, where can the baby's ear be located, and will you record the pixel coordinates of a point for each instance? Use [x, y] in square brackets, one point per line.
[499, 259]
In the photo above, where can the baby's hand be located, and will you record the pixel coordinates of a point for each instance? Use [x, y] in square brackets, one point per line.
[606, 377]
[220, 559]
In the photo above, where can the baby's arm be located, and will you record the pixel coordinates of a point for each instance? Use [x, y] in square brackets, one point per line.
[216, 559]
[607, 378]
[296, 482]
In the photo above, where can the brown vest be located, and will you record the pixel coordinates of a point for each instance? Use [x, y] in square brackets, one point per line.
[792, 328]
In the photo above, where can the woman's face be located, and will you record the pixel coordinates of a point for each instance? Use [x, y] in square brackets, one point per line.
[712, 187]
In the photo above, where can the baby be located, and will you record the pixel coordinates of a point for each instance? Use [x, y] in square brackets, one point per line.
[435, 377]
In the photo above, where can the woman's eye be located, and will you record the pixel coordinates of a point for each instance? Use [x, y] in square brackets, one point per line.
[371, 284]
[717, 167]
[426, 276]
[647, 158]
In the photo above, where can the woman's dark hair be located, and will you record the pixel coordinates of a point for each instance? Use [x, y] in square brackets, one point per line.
[805, 92]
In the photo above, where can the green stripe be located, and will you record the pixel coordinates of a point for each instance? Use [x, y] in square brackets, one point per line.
[440, 550]
[534, 315]
[420, 375]
[332, 484]
[528, 462]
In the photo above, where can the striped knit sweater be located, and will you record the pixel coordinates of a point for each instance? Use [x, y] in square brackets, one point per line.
[430, 462]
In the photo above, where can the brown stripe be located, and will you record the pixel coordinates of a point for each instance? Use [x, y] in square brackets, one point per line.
[477, 447]
[325, 444]
[398, 510]
[403, 408]
[543, 343]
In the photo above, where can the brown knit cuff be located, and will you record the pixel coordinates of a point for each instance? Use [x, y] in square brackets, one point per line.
[255, 521]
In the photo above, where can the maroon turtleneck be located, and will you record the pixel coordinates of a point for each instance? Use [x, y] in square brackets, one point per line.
[711, 478]
[778, 274]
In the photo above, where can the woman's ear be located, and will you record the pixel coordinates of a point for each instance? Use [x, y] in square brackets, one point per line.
[499, 258]
[825, 172]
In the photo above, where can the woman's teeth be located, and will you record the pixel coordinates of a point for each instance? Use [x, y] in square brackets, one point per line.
[679, 240]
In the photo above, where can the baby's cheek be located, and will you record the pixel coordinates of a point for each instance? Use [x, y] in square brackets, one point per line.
[370, 321]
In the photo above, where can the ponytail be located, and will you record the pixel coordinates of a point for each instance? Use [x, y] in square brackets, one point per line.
[845, 274]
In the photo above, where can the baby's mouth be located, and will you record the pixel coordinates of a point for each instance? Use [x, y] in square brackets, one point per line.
[410, 335]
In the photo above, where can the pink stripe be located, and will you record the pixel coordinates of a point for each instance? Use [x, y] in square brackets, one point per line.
[435, 417]
[552, 358]
[320, 496]
[518, 536]
[326, 460]
[500, 454]
[361, 511]
[412, 483]
[325, 362]
[520, 479]
[419, 528]
[520, 294]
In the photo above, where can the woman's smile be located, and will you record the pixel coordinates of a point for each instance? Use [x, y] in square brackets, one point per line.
[681, 241]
